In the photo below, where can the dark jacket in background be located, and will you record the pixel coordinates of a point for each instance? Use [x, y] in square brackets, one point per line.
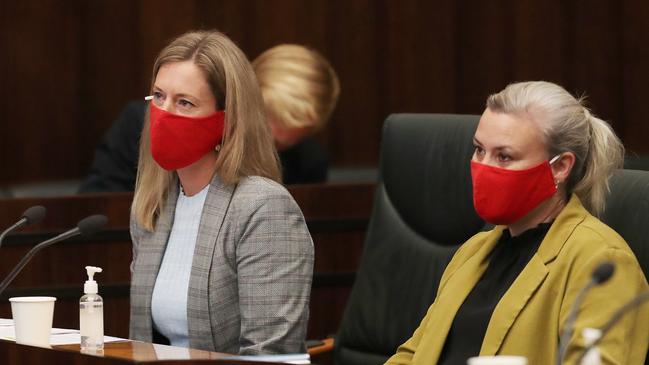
[304, 163]
[115, 165]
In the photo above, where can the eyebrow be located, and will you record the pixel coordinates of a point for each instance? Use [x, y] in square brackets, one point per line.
[501, 148]
[181, 95]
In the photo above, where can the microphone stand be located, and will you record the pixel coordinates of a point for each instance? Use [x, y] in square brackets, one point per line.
[18, 224]
[637, 301]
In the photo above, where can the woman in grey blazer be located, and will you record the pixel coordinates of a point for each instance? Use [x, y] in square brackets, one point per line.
[222, 257]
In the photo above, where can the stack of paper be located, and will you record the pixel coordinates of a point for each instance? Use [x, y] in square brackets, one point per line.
[288, 358]
[59, 336]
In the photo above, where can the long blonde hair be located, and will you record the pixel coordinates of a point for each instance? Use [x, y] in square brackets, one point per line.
[247, 148]
[568, 126]
[299, 86]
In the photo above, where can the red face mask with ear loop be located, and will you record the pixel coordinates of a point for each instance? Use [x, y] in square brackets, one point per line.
[178, 141]
[503, 196]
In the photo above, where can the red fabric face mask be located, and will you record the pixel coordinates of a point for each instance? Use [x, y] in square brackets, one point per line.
[178, 141]
[502, 196]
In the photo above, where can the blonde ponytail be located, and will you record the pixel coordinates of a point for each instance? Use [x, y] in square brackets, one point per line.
[605, 155]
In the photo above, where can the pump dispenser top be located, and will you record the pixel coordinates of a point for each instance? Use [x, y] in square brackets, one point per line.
[90, 287]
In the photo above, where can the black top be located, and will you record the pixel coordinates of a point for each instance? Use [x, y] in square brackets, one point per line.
[506, 262]
[304, 163]
[114, 167]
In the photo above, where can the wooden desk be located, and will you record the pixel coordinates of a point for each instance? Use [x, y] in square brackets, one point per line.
[337, 216]
[127, 352]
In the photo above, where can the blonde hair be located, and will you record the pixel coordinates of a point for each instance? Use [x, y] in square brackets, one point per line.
[568, 126]
[247, 147]
[299, 86]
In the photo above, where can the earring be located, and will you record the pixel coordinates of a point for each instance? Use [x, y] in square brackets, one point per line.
[556, 184]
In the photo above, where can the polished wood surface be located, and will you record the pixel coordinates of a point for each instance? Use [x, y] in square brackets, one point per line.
[62, 89]
[323, 354]
[143, 351]
[327, 345]
[337, 216]
[125, 352]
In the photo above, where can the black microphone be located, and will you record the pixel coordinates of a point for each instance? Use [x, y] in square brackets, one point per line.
[600, 275]
[631, 304]
[32, 215]
[86, 226]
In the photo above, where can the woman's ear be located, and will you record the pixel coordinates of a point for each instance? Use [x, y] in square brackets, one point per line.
[562, 167]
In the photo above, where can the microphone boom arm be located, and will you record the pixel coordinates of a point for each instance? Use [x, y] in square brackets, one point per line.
[12, 275]
[16, 225]
[616, 318]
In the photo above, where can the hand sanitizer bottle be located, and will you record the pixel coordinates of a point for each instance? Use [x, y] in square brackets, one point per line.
[91, 315]
[592, 357]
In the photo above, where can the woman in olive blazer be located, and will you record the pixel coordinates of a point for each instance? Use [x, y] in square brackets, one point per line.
[525, 321]
[541, 164]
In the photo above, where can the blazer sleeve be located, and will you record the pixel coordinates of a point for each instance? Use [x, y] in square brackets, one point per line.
[407, 350]
[627, 342]
[274, 272]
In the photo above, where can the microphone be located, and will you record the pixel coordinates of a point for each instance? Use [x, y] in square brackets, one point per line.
[600, 275]
[633, 303]
[32, 215]
[86, 226]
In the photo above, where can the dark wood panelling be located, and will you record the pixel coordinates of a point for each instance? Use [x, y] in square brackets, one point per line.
[67, 67]
[635, 74]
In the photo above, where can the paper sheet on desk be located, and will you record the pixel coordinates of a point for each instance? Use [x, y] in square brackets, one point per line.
[73, 338]
[59, 336]
[288, 358]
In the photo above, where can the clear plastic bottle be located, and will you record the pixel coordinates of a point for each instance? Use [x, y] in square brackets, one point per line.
[91, 315]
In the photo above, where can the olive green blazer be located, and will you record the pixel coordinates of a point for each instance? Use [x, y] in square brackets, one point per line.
[529, 318]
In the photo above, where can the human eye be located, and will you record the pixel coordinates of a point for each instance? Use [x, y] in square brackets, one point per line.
[158, 96]
[503, 157]
[477, 150]
[185, 103]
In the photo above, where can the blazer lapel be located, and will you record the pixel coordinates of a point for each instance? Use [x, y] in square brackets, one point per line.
[215, 209]
[512, 303]
[532, 276]
[458, 287]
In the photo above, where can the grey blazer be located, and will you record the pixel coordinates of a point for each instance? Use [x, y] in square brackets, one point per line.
[251, 273]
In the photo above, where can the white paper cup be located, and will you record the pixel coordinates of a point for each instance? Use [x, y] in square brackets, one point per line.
[33, 319]
[497, 360]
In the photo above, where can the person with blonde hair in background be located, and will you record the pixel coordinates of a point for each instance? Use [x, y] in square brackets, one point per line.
[540, 172]
[222, 257]
[300, 90]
